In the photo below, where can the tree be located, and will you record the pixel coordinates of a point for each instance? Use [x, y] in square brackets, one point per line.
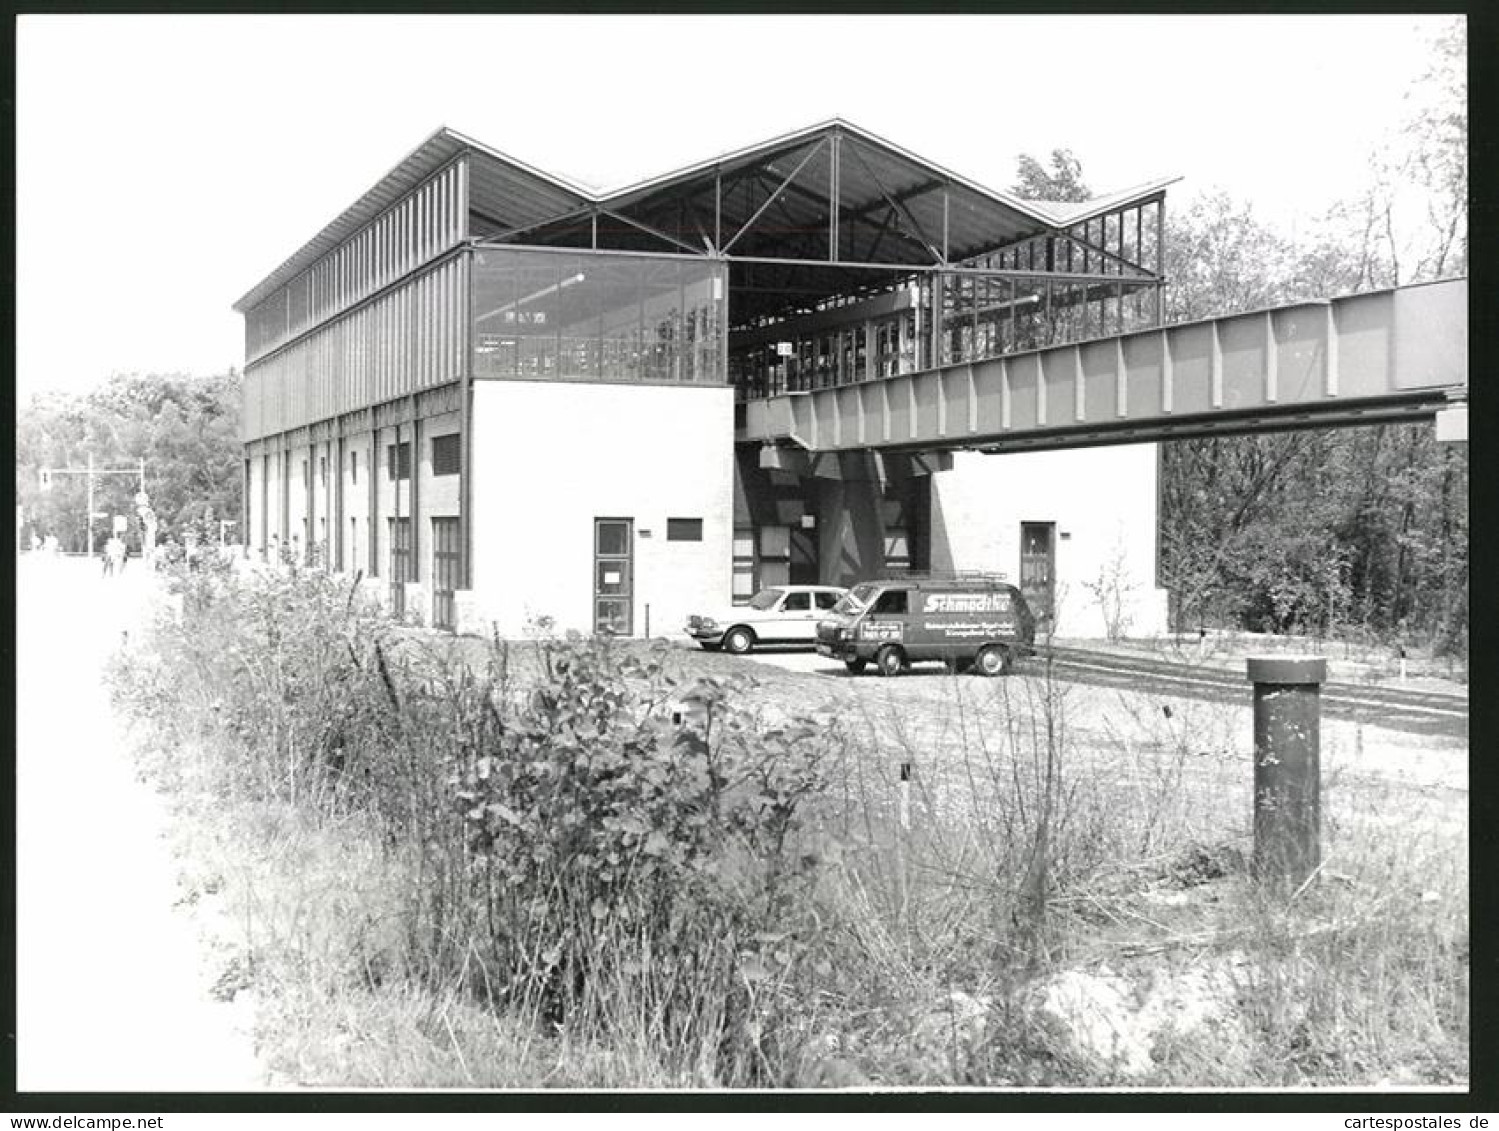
[1064, 183]
[1356, 530]
[185, 428]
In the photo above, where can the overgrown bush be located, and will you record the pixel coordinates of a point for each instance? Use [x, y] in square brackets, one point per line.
[593, 845]
[642, 877]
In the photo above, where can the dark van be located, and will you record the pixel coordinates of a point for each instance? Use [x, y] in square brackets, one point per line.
[981, 622]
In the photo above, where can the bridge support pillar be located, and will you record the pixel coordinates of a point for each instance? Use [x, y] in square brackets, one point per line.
[851, 526]
[1287, 767]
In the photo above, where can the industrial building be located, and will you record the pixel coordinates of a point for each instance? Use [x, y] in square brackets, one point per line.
[504, 399]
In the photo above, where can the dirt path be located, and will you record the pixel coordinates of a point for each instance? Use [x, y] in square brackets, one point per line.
[111, 991]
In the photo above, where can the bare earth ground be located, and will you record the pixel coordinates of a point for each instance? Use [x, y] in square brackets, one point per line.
[112, 992]
[920, 717]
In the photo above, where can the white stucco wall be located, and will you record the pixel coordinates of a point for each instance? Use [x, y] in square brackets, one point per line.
[1103, 501]
[549, 458]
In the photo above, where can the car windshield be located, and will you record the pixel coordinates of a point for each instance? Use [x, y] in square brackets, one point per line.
[855, 599]
[765, 598]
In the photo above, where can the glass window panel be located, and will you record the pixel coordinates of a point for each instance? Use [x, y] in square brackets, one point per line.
[598, 317]
[744, 582]
[612, 577]
[612, 616]
[612, 537]
[446, 454]
[775, 541]
[797, 603]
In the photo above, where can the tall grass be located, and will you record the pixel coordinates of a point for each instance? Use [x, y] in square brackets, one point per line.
[579, 862]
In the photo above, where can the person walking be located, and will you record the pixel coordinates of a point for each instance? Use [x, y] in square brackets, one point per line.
[112, 554]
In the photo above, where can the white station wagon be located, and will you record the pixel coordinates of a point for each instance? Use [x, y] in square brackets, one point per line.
[782, 614]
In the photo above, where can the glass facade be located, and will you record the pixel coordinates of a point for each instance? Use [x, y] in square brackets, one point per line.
[555, 315]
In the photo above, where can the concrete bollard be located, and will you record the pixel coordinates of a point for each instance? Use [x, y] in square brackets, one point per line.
[1287, 766]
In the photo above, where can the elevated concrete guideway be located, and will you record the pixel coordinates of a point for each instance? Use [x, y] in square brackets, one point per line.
[1388, 355]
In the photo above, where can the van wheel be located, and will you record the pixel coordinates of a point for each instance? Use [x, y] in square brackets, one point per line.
[890, 660]
[738, 640]
[856, 665]
[993, 660]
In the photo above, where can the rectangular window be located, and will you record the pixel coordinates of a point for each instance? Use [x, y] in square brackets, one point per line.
[354, 467]
[398, 460]
[322, 469]
[542, 315]
[684, 530]
[306, 474]
[447, 454]
[447, 570]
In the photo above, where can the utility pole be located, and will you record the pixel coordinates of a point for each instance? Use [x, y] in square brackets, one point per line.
[89, 472]
[91, 506]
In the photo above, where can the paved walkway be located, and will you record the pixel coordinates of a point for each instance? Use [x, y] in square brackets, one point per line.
[111, 990]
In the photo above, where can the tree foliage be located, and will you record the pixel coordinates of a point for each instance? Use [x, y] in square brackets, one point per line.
[185, 428]
[1063, 182]
[1359, 529]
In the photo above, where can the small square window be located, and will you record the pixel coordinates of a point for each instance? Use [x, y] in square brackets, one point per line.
[447, 454]
[398, 460]
[684, 530]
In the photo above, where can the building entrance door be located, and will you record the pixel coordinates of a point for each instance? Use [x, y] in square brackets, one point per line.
[1038, 565]
[446, 562]
[613, 580]
[400, 563]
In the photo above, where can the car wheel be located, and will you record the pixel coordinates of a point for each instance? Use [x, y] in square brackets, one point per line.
[890, 660]
[992, 660]
[856, 665]
[738, 640]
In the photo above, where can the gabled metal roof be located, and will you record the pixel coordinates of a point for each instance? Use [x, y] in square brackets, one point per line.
[509, 191]
[875, 178]
[1067, 214]
[874, 175]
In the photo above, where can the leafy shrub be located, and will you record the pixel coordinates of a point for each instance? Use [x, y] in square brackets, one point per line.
[591, 841]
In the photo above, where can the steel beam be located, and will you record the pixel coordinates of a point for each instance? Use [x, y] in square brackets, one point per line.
[802, 164]
[1390, 355]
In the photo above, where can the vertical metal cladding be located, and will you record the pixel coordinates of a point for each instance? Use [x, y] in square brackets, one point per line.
[419, 228]
[408, 339]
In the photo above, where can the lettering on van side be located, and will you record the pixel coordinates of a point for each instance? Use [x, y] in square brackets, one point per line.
[965, 602]
[971, 629]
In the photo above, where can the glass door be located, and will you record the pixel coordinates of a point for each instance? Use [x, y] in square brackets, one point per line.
[1038, 565]
[613, 580]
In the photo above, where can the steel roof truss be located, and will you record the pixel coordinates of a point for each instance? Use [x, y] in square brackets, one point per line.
[1104, 253]
[899, 206]
[650, 231]
[802, 164]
